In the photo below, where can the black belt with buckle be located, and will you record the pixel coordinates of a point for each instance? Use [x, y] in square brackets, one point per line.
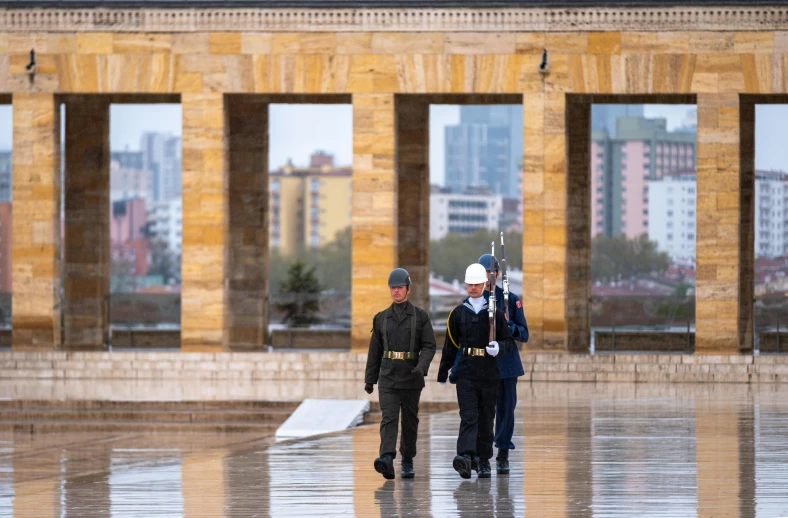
[398, 355]
[473, 351]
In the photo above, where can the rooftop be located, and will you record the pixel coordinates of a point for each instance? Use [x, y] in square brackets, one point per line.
[354, 4]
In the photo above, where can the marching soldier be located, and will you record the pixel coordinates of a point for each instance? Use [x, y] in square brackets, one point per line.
[400, 351]
[468, 330]
[510, 366]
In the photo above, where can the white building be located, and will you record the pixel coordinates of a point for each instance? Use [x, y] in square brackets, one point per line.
[771, 214]
[166, 222]
[463, 213]
[671, 214]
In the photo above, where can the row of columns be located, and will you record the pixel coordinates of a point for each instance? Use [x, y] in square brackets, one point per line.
[225, 216]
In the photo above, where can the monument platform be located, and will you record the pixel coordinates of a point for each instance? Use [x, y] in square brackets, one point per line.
[614, 450]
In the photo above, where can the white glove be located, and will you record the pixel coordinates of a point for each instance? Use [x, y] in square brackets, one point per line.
[493, 349]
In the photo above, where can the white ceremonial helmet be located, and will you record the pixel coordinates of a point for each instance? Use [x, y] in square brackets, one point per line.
[475, 274]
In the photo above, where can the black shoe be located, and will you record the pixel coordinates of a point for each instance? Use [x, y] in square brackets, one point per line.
[462, 464]
[407, 468]
[385, 466]
[475, 463]
[502, 462]
[484, 468]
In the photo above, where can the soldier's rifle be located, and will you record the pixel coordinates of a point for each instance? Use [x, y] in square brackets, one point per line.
[504, 281]
[491, 304]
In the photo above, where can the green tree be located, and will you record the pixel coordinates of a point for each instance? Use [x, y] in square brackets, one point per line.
[300, 296]
[615, 258]
[164, 262]
[450, 256]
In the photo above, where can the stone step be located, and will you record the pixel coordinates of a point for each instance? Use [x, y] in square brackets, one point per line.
[266, 428]
[174, 416]
[153, 405]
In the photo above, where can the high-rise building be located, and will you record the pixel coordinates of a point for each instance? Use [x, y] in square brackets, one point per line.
[161, 155]
[604, 117]
[127, 184]
[128, 235]
[771, 214]
[308, 206]
[623, 166]
[671, 214]
[165, 222]
[5, 176]
[462, 213]
[485, 149]
[132, 160]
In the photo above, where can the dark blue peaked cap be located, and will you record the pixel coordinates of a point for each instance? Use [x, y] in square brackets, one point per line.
[484, 260]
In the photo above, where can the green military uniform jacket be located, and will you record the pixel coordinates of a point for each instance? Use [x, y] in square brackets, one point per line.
[396, 373]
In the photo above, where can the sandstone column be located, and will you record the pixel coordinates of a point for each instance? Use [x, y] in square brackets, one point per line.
[86, 237]
[204, 222]
[413, 194]
[35, 252]
[718, 255]
[374, 219]
[248, 247]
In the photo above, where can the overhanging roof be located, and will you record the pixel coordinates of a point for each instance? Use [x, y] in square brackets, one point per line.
[351, 4]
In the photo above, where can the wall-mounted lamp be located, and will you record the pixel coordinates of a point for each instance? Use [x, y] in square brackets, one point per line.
[31, 67]
[544, 66]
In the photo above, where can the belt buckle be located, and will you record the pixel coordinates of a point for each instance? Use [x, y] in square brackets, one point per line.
[478, 352]
[397, 355]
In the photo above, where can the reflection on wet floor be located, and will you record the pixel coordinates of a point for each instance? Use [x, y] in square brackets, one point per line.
[583, 451]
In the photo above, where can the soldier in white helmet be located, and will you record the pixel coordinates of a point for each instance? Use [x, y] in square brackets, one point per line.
[468, 329]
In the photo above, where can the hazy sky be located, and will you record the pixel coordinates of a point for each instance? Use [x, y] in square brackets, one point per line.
[298, 130]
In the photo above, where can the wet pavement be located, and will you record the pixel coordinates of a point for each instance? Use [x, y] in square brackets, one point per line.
[582, 451]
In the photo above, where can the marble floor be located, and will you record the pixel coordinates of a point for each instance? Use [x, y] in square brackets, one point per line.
[582, 451]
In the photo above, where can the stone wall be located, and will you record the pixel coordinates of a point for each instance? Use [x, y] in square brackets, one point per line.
[725, 55]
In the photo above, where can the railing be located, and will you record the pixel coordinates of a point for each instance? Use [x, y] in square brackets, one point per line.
[653, 323]
[770, 316]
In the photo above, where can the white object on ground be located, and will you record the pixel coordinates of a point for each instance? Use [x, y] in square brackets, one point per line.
[316, 416]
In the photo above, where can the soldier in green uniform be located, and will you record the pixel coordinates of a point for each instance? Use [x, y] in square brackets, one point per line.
[400, 351]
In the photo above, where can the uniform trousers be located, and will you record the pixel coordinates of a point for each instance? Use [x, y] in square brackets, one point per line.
[504, 413]
[391, 402]
[477, 414]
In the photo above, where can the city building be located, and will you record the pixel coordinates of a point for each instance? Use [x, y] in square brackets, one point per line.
[165, 222]
[771, 214]
[309, 205]
[485, 149]
[5, 246]
[604, 117]
[622, 168]
[128, 237]
[128, 183]
[462, 213]
[5, 176]
[161, 154]
[132, 160]
[672, 214]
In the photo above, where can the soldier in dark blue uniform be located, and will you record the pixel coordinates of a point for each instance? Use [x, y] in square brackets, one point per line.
[510, 367]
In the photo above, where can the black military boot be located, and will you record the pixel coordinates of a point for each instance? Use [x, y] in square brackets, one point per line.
[407, 468]
[484, 468]
[462, 464]
[385, 465]
[502, 462]
[475, 463]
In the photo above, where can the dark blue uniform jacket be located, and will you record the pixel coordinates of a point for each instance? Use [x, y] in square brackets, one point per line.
[509, 364]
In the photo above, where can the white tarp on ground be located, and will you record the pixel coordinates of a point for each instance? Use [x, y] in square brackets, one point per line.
[316, 416]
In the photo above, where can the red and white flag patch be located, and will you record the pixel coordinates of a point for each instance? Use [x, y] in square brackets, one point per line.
[518, 304]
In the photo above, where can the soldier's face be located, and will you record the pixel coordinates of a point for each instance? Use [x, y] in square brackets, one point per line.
[399, 293]
[475, 290]
[487, 284]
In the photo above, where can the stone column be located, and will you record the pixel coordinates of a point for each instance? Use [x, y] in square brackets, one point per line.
[413, 194]
[577, 238]
[248, 247]
[86, 237]
[717, 328]
[374, 219]
[746, 223]
[35, 252]
[204, 222]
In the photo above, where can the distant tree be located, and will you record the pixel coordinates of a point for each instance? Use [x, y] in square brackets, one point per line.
[164, 262]
[332, 262]
[300, 294]
[450, 256]
[121, 275]
[614, 258]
